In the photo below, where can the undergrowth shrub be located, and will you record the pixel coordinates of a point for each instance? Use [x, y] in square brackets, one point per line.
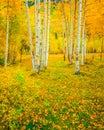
[1, 61]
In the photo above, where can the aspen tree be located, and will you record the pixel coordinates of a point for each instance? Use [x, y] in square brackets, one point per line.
[42, 51]
[35, 21]
[48, 31]
[72, 9]
[83, 34]
[64, 40]
[67, 48]
[74, 28]
[29, 34]
[45, 31]
[7, 34]
[77, 69]
[37, 24]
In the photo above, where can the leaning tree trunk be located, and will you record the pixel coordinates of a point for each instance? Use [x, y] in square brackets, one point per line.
[29, 34]
[77, 69]
[7, 36]
[83, 35]
[48, 32]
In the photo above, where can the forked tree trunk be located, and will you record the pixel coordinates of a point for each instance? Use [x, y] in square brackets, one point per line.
[77, 68]
[7, 36]
[29, 34]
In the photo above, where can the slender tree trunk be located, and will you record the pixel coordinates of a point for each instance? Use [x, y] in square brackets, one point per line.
[85, 46]
[42, 52]
[45, 31]
[72, 8]
[38, 40]
[29, 34]
[67, 48]
[64, 41]
[36, 33]
[83, 34]
[48, 32]
[21, 52]
[7, 36]
[74, 23]
[101, 50]
[77, 69]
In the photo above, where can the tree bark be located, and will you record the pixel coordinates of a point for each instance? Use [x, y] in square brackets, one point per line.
[7, 36]
[29, 34]
[64, 41]
[48, 32]
[67, 48]
[45, 31]
[37, 34]
[72, 13]
[83, 35]
[77, 69]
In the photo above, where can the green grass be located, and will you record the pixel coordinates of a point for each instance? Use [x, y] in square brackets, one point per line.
[56, 99]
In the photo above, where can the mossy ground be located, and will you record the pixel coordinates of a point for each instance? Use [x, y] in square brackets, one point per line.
[55, 99]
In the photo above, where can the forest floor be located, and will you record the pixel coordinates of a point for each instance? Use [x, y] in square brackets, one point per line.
[55, 99]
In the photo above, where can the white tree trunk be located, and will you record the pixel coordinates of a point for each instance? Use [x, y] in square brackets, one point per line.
[77, 69]
[29, 34]
[83, 45]
[42, 53]
[37, 30]
[83, 36]
[7, 38]
[36, 34]
[48, 32]
[45, 31]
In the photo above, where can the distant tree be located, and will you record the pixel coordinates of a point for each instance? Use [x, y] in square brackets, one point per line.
[23, 47]
[66, 27]
[7, 34]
